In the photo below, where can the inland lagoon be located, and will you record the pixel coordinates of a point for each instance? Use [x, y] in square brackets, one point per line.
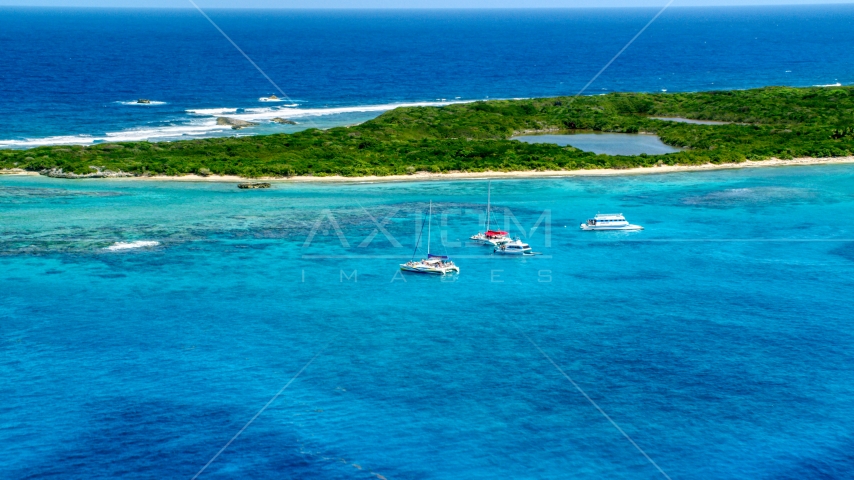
[607, 143]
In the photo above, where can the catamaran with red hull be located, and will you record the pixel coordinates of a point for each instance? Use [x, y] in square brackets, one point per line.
[491, 238]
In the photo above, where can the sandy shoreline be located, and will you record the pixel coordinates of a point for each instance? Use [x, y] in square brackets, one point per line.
[424, 176]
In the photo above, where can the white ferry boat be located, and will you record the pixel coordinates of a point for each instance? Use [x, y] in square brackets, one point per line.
[516, 247]
[433, 264]
[491, 238]
[609, 221]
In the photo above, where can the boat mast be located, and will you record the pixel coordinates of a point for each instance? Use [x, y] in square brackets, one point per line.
[488, 194]
[429, 224]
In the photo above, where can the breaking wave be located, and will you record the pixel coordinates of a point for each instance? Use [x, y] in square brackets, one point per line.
[292, 111]
[130, 135]
[202, 123]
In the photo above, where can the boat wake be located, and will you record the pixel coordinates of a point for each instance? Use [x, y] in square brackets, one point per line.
[120, 246]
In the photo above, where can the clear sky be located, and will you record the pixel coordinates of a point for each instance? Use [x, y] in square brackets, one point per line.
[404, 3]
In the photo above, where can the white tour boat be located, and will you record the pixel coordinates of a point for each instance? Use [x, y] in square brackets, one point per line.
[492, 238]
[433, 264]
[516, 247]
[609, 221]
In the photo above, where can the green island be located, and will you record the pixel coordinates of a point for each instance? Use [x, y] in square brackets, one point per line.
[771, 122]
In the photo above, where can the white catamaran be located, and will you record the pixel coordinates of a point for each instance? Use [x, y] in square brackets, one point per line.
[491, 238]
[433, 264]
[609, 221]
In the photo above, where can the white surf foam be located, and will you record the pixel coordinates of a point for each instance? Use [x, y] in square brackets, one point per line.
[198, 128]
[250, 114]
[204, 123]
[58, 140]
[119, 246]
[212, 111]
[163, 132]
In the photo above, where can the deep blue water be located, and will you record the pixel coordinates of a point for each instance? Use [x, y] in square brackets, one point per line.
[719, 338]
[64, 73]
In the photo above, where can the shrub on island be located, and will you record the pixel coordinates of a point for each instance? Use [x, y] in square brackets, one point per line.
[779, 122]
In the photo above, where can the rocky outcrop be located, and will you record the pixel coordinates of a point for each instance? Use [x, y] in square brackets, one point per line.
[143, 100]
[234, 123]
[98, 173]
[253, 185]
[283, 121]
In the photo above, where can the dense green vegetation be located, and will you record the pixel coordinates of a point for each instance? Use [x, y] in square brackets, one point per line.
[769, 122]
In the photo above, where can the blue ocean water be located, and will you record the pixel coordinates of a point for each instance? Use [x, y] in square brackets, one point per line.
[719, 338]
[72, 75]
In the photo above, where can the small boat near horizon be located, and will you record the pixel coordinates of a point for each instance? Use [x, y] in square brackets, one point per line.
[609, 221]
[492, 238]
[433, 264]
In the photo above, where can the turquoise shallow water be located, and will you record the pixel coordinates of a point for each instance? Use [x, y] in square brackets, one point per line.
[719, 338]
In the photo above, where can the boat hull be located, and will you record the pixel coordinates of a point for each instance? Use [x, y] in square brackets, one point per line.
[430, 270]
[513, 253]
[486, 242]
[489, 241]
[628, 228]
